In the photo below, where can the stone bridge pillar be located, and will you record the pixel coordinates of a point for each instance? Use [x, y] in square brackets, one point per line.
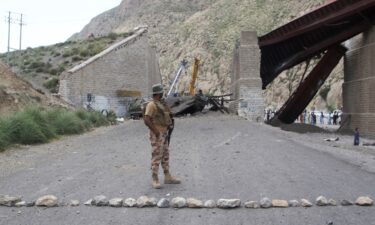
[359, 84]
[246, 82]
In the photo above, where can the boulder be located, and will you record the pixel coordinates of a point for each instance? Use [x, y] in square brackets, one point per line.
[209, 204]
[364, 201]
[265, 203]
[116, 202]
[332, 202]
[321, 201]
[251, 204]
[280, 203]
[129, 202]
[47, 201]
[228, 203]
[20, 204]
[346, 202]
[74, 203]
[293, 203]
[145, 201]
[100, 200]
[7, 200]
[163, 203]
[88, 202]
[306, 203]
[178, 202]
[194, 203]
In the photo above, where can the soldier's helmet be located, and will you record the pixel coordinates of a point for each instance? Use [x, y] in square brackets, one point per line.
[157, 89]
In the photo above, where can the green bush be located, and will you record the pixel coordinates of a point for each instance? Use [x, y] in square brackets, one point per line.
[52, 85]
[39, 125]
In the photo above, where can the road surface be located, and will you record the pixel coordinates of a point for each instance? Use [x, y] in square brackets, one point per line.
[215, 156]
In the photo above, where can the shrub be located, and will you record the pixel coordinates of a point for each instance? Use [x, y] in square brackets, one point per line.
[39, 125]
[76, 58]
[52, 85]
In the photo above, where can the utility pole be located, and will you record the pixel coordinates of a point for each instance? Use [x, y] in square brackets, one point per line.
[9, 18]
[21, 24]
[10, 21]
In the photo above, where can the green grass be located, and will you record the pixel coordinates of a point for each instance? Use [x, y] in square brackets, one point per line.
[39, 125]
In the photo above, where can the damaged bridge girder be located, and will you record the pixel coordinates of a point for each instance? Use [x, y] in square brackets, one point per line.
[312, 34]
[306, 91]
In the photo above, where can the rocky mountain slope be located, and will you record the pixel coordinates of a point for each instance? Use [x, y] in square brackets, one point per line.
[209, 29]
[16, 94]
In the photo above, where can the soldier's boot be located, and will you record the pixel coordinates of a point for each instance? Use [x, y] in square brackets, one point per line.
[155, 181]
[168, 179]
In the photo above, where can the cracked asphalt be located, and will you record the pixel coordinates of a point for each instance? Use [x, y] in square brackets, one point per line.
[215, 156]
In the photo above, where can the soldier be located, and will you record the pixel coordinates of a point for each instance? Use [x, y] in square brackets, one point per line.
[158, 119]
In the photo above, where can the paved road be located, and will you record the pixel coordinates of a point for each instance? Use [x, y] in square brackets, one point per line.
[216, 157]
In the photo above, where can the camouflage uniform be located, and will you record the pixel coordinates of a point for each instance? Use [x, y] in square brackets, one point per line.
[159, 115]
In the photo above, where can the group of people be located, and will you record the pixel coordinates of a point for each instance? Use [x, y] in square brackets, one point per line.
[331, 118]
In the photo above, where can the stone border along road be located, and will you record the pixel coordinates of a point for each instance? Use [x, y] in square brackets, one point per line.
[179, 202]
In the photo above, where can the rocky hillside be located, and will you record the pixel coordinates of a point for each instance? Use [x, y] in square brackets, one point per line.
[209, 29]
[16, 94]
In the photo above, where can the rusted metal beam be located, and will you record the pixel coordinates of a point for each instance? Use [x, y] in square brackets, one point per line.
[304, 54]
[306, 91]
[291, 30]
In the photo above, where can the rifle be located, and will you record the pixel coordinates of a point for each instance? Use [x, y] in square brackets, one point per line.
[169, 132]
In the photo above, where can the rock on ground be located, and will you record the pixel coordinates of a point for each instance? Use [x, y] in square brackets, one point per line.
[332, 202]
[280, 203]
[251, 204]
[129, 202]
[293, 203]
[321, 201]
[100, 200]
[20, 204]
[228, 203]
[210, 204]
[178, 202]
[7, 200]
[265, 203]
[116, 202]
[364, 201]
[47, 201]
[145, 201]
[88, 202]
[194, 203]
[306, 203]
[163, 203]
[346, 202]
[75, 203]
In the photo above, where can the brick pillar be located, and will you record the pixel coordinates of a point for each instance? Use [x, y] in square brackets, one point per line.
[359, 84]
[247, 82]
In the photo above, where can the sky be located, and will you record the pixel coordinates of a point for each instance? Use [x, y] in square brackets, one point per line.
[47, 22]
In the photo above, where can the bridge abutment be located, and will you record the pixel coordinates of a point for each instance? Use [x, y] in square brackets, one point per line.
[246, 82]
[359, 84]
